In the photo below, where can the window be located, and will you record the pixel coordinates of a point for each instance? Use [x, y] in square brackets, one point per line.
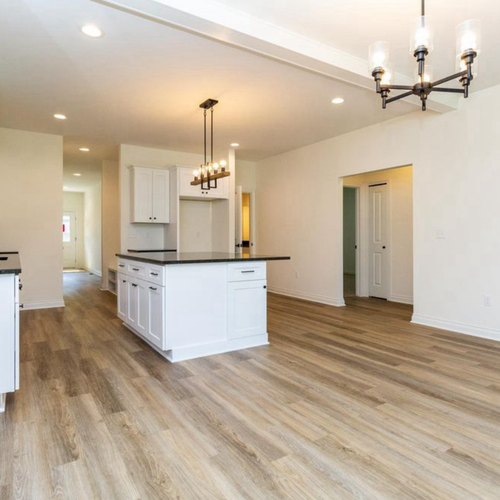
[66, 229]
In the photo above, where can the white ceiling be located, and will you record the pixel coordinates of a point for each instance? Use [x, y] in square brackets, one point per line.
[142, 82]
[352, 25]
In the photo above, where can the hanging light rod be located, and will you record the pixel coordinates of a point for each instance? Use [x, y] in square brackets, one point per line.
[468, 36]
[208, 173]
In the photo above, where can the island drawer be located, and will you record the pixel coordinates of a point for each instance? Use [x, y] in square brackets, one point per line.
[156, 274]
[246, 271]
[142, 270]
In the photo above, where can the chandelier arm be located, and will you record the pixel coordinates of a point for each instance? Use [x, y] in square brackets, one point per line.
[449, 78]
[444, 89]
[400, 96]
[397, 87]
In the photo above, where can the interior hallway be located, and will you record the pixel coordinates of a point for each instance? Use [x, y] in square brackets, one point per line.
[347, 403]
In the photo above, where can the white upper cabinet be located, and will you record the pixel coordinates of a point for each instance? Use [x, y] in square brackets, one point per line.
[186, 190]
[150, 200]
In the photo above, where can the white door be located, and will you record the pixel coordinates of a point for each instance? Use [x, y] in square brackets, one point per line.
[69, 239]
[121, 287]
[247, 315]
[142, 210]
[156, 316]
[161, 196]
[378, 213]
[238, 233]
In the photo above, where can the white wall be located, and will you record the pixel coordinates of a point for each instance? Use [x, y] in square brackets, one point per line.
[246, 175]
[145, 236]
[92, 229]
[110, 217]
[455, 158]
[73, 202]
[400, 234]
[31, 200]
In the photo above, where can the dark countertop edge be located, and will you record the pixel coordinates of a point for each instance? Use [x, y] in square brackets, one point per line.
[150, 251]
[198, 261]
[10, 271]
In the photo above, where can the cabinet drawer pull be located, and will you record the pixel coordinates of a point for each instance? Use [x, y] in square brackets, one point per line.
[121, 265]
[135, 269]
[134, 285]
[154, 274]
[124, 281]
[152, 288]
[252, 271]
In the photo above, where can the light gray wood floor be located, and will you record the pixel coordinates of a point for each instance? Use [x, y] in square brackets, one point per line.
[346, 403]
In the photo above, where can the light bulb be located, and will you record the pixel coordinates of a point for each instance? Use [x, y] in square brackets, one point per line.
[421, 35]
[378, 55]
[223, 163]
[468, 37]
[195, 173]
[216, 166]
[386, 78]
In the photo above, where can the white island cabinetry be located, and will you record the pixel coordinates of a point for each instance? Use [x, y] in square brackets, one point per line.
[194, 309]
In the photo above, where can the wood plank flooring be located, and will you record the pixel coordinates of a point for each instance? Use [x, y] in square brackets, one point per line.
[346, 403]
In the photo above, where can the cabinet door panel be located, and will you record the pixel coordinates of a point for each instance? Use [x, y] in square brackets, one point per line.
[142, 208]
[121, 287]
[132, 302]
[247, 315]
[142, 307]
[156, 313]
[222, 191]
[161, 196]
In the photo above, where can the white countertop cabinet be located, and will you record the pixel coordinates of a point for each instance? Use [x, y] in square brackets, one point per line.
[9, 335]
[193, 310]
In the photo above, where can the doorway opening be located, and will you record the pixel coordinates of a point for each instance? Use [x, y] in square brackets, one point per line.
[245, 221]
[378, 235]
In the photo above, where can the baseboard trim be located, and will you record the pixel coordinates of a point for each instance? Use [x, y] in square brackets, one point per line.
[322, 299]
[401, 299]
[454, 326]
[44, 304]
[93, 271]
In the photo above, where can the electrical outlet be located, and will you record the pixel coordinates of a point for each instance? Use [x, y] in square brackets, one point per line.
[440, 234]
[487, 300]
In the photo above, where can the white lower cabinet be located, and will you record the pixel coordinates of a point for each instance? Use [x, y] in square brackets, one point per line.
[246, 308]
[9, 336]
[156, 315]
[141, 305]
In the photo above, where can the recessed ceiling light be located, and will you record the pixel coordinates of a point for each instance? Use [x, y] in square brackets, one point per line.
[59, 116]
[77, 175]
[337, 100]
[92, 30]
[85, 150]
[235, 144]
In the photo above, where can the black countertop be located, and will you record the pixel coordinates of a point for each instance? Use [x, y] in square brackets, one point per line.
[10, 263]
[195, 257]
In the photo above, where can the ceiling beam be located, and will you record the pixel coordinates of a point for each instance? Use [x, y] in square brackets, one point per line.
[214, 21]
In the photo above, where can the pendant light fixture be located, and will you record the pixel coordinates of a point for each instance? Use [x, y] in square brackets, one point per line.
[208, 173]
[468, 35]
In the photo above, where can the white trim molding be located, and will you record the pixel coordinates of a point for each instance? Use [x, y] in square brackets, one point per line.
[401, 299]
[44, 304]
[322, 299]
[455, 326]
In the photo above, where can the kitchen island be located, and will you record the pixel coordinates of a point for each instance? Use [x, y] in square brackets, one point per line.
[189, 305]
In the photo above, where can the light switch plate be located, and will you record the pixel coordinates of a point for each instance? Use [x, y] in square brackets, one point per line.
[440, 234]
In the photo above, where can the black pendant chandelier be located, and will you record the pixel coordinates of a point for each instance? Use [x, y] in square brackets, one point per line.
[421, 44]
[208, 173]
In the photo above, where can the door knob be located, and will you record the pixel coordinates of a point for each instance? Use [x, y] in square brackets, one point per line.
[383, 247]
